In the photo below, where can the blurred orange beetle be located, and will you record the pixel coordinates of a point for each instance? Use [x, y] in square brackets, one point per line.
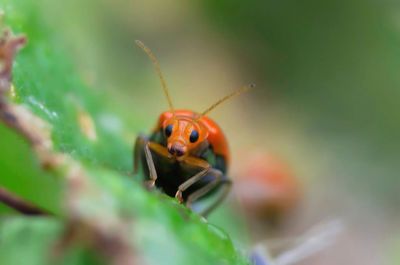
[267, 186]
[186, 155]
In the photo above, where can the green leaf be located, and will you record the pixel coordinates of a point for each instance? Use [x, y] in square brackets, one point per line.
[27, 240]
[46, 82]
[33, 241]
[21, 174]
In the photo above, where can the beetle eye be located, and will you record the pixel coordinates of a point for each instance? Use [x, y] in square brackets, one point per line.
[194, 136]
[168, 130]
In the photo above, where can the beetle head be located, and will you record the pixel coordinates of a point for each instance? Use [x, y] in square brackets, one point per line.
[183, 135]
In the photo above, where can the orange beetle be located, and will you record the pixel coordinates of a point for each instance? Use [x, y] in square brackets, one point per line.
[267, 186]
[187, 154]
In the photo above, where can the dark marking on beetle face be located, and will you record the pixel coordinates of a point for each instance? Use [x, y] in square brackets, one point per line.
[168, 130]
[194, 136]
[177, 149]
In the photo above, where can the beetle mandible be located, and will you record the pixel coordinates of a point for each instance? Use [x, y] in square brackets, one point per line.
[186, 155]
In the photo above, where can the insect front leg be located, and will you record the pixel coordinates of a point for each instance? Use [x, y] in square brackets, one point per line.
[150, 148]
[226, 186]
[185, 185]
[140, 142]
[218, 180]
[152, 168]
[193, 161]
[143, 144]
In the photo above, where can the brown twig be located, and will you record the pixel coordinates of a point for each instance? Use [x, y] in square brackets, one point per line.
[9, 45]
[18, 204]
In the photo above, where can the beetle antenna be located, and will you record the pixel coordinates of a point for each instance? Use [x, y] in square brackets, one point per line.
[158, 70]
[233, 94]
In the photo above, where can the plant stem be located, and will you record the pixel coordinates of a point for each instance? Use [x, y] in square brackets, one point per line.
[19, 204]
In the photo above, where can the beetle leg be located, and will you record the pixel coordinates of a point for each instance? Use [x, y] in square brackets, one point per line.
[207, 188]
[148, 147]
[159, 149]
[226, 185]
[197, 162]
[139, 145]
[185, 185]
[152, 147]
[152, 168]
[143, 142]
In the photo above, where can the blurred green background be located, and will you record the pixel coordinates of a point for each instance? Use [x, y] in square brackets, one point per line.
[327, 74]
[328, 89]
